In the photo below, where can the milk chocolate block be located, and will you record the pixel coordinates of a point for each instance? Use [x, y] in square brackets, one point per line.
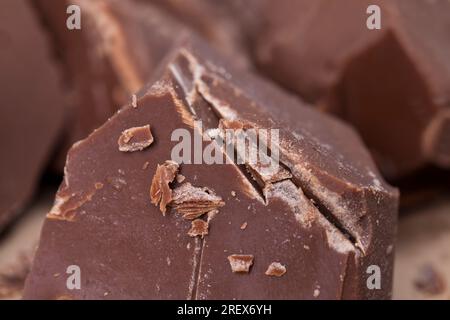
[147, 225]
[392, 83]
[31, 105]
[114, 54]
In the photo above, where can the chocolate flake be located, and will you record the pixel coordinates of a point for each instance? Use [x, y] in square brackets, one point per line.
[192, 202]
[135, 139]
[240, 263]
[160, 191]
[199, 227]
[276, 269]
[244, 226]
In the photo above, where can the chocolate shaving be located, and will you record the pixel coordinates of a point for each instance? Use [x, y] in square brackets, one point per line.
[160, 191]
[135, 139]
[192, 202]
[240, 263]
[276, 269]
[199, 227]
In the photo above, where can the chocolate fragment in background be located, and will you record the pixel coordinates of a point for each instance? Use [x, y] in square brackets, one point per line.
[127, 249]
[31, 105]
[115, 53]
[214, 21]
[429, 280]
[392, 84]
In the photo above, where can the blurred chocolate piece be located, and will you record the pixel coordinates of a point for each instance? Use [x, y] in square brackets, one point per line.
[213, 20]
[392, 84]
[429, 280]
[135, 139]
[115, 52]
[31, 105]
[327, 221]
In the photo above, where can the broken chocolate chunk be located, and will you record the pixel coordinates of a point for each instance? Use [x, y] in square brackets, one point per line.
[240, 263]
[31, 100]
[199, 227]
[160, 190]
[135, 139]
[122, 243]
[193, 202]
[113, 54]
[275, 269]
[391, 83]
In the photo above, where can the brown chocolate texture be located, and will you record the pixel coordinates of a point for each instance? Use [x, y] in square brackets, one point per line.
[31, 105]
[392, 84]
[114, 54]
[325, 221]
[117, 50]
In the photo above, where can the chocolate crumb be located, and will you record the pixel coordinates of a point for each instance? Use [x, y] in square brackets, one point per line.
[276, 269]
[98, 185]
[145, 166]
[240, 263]
[12, 280]
[199, 227]
[180, 178]
[160, 191]
[135, 139]
[192, 202]
[429, 280]
[244, 226]
[233, 193]
[212, 214]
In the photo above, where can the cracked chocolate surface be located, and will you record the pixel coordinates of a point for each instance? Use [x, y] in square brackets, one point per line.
[329, 199]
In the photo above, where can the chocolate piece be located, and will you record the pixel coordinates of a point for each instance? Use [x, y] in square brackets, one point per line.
[275, 269]
[214, 21]
[392, 84]
[113, 55]
[135, 139]
[12, 280]
[333, 201]
[199, 227]
[193, 202]
[429, 281]
[31, 100]
[160, 191]
[240, 263]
